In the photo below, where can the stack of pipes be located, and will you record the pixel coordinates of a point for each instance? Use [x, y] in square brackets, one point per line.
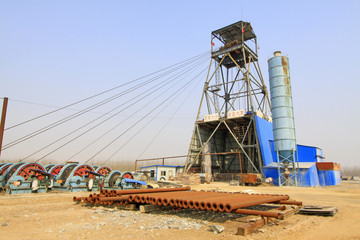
[185, 198]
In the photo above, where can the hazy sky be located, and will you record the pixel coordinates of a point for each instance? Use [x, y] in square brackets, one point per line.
[54, 53]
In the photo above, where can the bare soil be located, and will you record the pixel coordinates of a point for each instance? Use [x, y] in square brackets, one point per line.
[55, 216]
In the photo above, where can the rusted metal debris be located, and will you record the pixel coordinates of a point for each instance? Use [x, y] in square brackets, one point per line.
[250, 227]
[319, 210]
[202, 200]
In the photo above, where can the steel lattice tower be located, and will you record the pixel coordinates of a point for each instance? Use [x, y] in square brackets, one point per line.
[234, 92]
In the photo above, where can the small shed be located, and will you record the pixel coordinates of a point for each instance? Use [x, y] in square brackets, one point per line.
[163, 172]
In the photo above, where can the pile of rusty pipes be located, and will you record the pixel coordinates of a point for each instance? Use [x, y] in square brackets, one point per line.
[185, 198]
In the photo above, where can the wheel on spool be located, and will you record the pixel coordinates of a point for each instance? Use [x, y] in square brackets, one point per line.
[4, 168]
[11, 170]
[83, 170]
[26, 171]
[127, 175]
[105, 170]
[55, 170]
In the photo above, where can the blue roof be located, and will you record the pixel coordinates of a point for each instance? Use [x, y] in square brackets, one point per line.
[159, 165]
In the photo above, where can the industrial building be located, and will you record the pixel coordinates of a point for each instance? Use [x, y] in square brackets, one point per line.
[238, 131]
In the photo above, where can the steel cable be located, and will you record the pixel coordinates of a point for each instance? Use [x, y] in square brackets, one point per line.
[174, 98]
[149, 94]
[127, 130]
[94, 121]
[167, 122]
[37, 132]
[106, 91]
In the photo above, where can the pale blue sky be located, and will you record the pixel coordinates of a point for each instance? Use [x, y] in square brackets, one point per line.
[58, 52]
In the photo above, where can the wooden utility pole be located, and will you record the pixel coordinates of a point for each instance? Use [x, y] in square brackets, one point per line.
[2, 124]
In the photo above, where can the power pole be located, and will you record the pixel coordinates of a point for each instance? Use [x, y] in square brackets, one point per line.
[2, 124]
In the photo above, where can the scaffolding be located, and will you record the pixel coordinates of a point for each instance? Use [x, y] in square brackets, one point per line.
[234, 93]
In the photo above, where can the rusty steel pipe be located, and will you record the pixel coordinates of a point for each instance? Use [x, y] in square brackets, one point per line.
[282, 208]
[98, 195]
[247, 197]
[191, 204]
[289, 202]
[182, 194]
[259, 213]
[137, 198]
[131, 198]
[165, 202]
[251, 197]
[185, 204]
[159, 201]
[221, 207]
[172, 202]
[160, 194]
[213, 198]
[105, 199]
[77, 199]
[153, 200]
[147, 196]
[214, 206]
[208, 206]
[142, 199]
[231, 206]
[202, 205]
[137, 191]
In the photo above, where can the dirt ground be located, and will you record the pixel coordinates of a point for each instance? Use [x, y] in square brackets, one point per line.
[55, 216]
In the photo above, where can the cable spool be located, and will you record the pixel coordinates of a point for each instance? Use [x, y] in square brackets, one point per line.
[111, 179]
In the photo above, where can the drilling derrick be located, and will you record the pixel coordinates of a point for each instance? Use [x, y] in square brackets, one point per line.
[224, 139]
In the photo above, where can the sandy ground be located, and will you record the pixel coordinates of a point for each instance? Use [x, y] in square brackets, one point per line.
[55, 216]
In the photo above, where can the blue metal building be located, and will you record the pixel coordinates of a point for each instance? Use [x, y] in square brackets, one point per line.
[310, 172]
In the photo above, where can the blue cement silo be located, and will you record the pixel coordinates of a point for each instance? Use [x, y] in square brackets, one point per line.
[283, 119]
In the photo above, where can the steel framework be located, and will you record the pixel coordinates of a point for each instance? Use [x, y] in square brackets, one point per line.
[234, 92]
